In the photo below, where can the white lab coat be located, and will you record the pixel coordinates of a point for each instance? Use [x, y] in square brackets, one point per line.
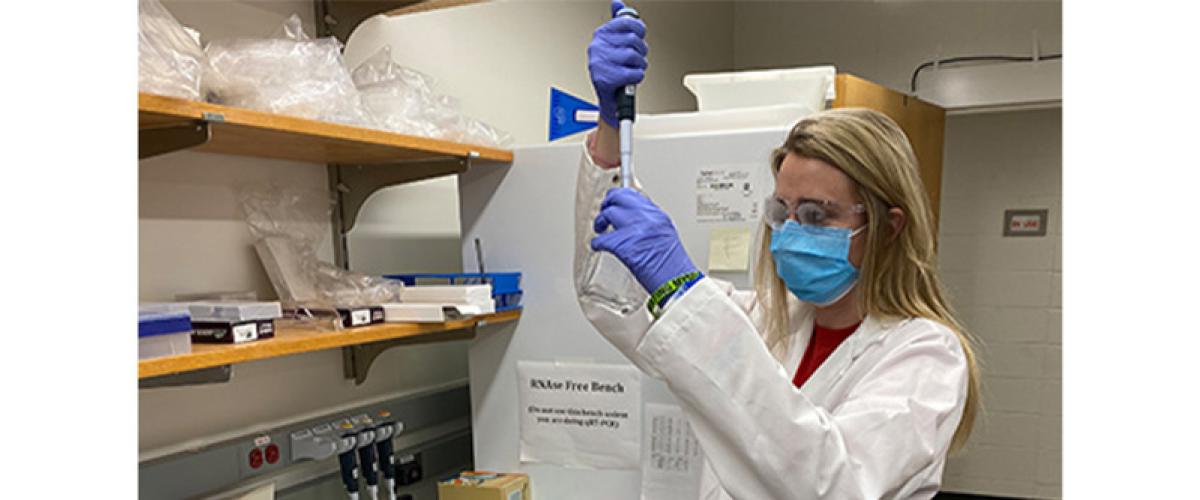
[874, 421]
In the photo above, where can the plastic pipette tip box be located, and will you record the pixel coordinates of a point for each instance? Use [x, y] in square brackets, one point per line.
[216, 311]
[506, 287]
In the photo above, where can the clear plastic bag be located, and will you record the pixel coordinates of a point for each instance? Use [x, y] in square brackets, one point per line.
[477, 132]
[289, 74]
[288, 226]
[403, 101]
[170, 60]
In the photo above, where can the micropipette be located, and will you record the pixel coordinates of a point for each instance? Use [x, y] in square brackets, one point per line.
[384, 451]
[625, 114]
[346, 447]
[365, 440]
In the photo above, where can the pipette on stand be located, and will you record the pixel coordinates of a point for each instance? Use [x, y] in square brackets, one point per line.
[384, 433]
[345, 451]
[365, 440]
[625, 115]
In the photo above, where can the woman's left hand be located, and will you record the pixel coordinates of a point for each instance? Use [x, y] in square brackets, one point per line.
[643, 238]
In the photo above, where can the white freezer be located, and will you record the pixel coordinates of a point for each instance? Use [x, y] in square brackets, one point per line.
[524, 215]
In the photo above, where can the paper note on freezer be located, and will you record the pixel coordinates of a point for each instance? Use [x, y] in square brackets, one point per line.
[671, 456]
[729, 249]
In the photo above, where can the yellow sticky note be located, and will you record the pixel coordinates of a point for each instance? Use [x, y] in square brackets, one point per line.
[729, 249]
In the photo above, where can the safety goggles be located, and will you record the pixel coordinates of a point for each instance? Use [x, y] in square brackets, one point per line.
[823, 213]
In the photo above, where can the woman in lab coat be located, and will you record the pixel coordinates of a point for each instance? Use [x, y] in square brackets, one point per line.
[844, 374]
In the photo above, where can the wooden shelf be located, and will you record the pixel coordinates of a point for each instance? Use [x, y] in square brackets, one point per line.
[290, 341]
[266, 135]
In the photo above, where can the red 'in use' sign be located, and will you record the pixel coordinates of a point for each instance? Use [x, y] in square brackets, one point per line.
[1025, 222]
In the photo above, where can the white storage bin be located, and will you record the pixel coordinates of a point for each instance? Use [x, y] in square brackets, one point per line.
[167, 344]
[163, 333]
[810, 86]
[721, 121]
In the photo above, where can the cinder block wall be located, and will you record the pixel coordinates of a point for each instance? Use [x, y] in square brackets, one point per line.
[1008, 291]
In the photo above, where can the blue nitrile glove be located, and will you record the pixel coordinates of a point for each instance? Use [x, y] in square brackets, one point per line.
[616, 58]
[643, 238]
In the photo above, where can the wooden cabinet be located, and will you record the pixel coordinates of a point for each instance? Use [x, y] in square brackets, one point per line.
[924, 123]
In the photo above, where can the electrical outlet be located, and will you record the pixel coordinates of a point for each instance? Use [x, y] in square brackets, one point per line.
[260, 455]
[408, 469]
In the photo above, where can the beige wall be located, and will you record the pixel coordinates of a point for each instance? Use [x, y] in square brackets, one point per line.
[884, 40]
[411, 228]
[216, 19]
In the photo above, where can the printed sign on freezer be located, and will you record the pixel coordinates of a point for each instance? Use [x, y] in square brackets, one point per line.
[727, 194]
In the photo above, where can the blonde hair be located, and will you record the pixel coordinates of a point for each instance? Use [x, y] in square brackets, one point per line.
[899, 278]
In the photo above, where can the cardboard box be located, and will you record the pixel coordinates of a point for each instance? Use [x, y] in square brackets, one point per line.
[484, 486]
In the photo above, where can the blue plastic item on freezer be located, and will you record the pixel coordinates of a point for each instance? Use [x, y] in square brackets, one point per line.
[164, 334]
[506, 287]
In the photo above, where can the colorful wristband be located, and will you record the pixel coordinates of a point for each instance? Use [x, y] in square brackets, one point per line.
[672, 288]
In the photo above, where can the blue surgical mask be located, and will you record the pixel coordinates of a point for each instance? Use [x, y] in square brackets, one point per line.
[813, 261]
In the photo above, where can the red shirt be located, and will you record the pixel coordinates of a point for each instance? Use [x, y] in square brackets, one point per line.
[823, 342]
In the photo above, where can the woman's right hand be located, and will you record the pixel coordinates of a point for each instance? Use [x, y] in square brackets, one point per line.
[616, 58]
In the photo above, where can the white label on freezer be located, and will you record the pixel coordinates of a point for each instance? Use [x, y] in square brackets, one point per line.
[727, 194]
[580, 415]
[360, 317]
[246, 332]
[671, 456]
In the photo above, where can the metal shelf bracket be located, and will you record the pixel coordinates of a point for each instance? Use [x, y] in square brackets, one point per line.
[155, 141]
[351, 185]
[214, 375]
[357, 359]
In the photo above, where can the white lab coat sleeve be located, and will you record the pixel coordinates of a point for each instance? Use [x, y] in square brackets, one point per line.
[623, 331]
[766, 440]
